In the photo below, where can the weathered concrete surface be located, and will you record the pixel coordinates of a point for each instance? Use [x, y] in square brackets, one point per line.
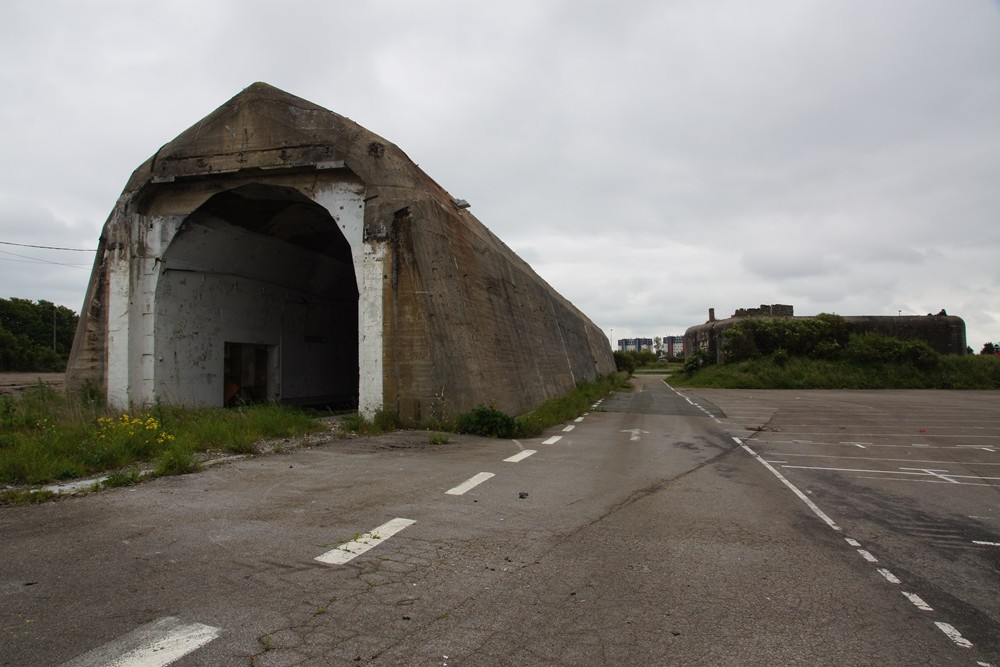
[296, 235]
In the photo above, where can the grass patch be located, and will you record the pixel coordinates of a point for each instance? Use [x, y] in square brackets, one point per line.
[46, 436]
[789, 372]
[381, 422]
[569, 405]
[438, 438]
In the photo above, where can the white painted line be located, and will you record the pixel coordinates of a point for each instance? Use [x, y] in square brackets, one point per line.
[986, 544]
[935, 473]
[152, 645]
[920, 472]
[859, 445]
[578, 420]
[635, 434]
[568, 428]
[350, 550]
[553, 440]
[919, 444]
[953, 634]
[810, 504]
[889, 576]
[854, 442]
[918, 601]
[867, 556]
[519, 457]
[852, 542]
[470, 483]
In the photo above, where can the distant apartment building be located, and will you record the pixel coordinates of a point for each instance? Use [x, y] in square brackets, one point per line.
[635, 344]
[673, 346]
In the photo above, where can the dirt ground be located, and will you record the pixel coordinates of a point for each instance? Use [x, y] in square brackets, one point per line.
[14, 382]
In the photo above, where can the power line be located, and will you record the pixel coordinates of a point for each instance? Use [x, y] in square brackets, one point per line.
[36, 260]
[48, 247]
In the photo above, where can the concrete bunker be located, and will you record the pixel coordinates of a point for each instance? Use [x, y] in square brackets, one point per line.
[278, 251]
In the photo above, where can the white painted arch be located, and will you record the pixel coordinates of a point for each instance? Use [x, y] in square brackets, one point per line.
[169, 314]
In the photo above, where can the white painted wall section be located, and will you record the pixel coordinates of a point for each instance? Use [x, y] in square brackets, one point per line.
[345, 203]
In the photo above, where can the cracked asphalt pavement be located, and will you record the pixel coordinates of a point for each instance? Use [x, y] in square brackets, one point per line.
[645, 534]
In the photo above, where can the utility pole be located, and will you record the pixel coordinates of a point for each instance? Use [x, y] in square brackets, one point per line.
[53, 327]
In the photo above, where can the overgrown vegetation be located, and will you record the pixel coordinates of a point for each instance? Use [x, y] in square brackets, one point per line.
[35, 336]
[46, 436]
[819, 353]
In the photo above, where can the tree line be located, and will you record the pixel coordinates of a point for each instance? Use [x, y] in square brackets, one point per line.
[35, 336]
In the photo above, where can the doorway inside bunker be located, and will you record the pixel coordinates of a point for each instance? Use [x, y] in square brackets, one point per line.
[261, 278]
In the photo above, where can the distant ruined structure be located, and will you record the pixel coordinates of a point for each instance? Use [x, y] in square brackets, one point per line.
[945, 333]
[279, 251]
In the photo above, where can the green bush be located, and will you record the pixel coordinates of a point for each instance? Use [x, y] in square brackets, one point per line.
[625, 362]
[697, 360]
[488, 422]
[873, 348]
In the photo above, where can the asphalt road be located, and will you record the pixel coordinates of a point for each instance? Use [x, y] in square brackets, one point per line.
[643, 535]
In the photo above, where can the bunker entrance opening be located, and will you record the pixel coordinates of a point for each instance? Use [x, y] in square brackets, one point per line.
[258, 300]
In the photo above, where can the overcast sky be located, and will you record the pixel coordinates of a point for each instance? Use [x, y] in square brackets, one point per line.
[650, 158]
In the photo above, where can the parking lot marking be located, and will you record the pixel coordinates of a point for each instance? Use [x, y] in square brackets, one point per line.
[953, 634]
[350, 550]
[553, 440]
[810, 504]
[875, 458]
[918, 601]
[520, 456]
[918, 472]
[469, 484]
[935, 473]
[152, 645]
[889, 576]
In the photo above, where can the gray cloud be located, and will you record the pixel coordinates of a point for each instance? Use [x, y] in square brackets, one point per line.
[650, 159]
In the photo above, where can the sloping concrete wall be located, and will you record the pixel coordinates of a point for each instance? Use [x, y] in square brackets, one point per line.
[447, 315]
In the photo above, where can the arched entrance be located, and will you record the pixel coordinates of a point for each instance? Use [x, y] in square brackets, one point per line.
[257, 299]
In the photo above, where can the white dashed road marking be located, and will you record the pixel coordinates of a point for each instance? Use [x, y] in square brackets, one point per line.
[520, 456]
[986, 544]
[553, 440]
[918, 602]
[953, 634]
[889, 576]
[152, 645]
[567, 429]
[469, 484]
[350, 550]
[867, 556]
